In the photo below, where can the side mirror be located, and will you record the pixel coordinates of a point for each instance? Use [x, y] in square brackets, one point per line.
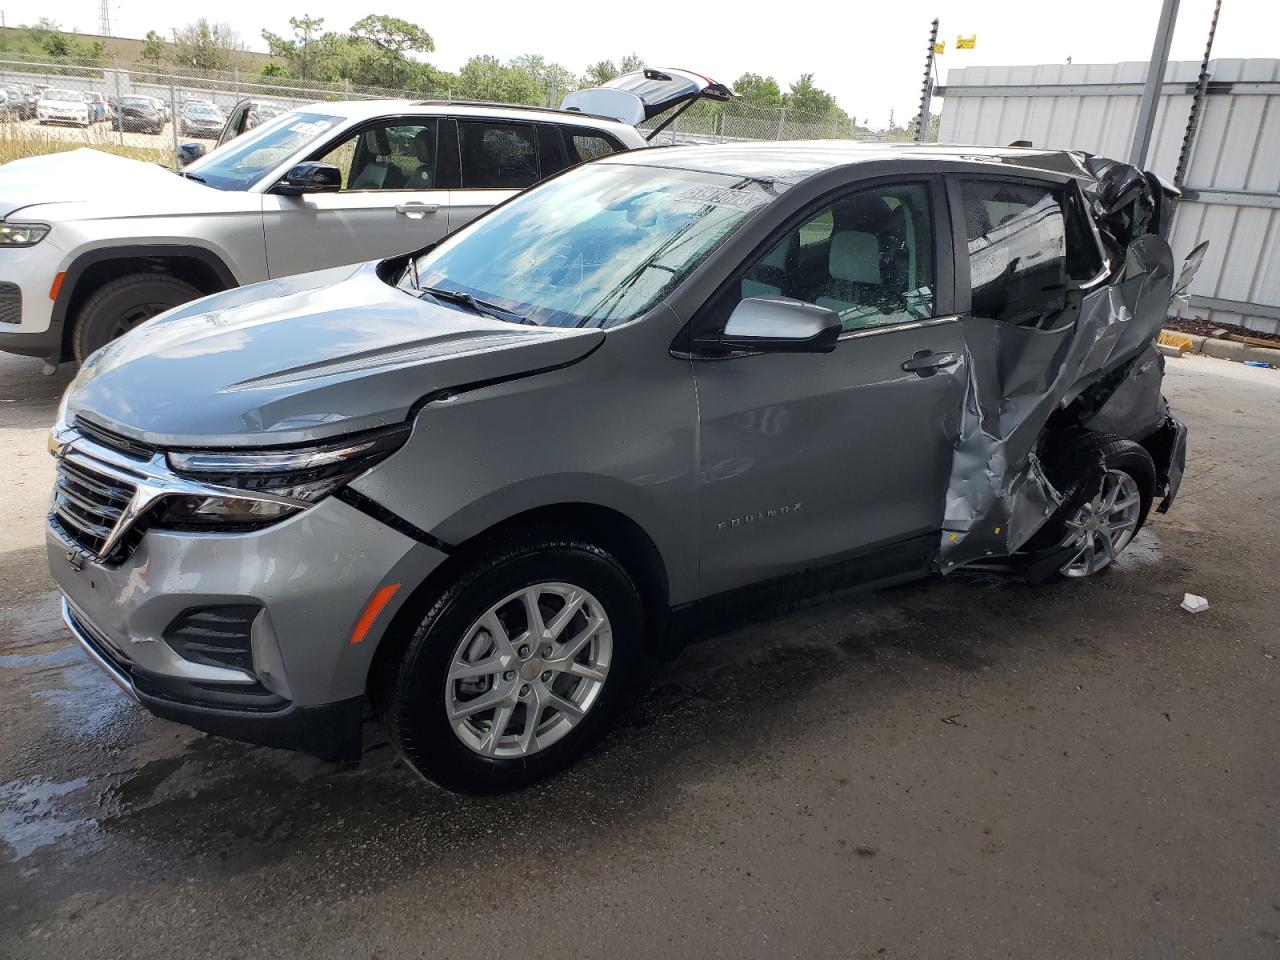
[310, 177]
[776, 325]
[189, 153]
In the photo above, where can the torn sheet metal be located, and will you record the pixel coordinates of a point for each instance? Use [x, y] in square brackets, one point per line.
[998, 494]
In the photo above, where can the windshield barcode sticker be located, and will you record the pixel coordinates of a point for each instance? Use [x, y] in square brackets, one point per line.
[720, 197]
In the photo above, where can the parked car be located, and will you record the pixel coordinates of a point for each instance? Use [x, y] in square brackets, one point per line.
[324, 185]
[12, 104]
[63, 106]
[138, 115]
[473, 485]
[97, 107]
[29, 98]
[201, 119]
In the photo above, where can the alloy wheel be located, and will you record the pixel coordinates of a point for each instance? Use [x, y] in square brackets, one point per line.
[528, 670]
[1103, 526]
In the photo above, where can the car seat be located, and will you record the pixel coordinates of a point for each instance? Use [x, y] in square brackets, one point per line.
[424, 148]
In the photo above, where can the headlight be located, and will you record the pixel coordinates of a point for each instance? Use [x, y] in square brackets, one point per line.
[286, 480]
[22, 234]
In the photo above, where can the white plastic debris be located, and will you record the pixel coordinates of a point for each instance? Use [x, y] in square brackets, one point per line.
[1193, 604]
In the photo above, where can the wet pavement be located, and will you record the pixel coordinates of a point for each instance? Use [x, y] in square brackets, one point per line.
[967, 767]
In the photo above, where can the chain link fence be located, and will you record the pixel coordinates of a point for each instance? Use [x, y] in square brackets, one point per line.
[144, 110]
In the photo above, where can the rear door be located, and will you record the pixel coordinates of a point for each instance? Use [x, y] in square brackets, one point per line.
[642, 95]
[496, 159]
[391, 201]
[811, 459]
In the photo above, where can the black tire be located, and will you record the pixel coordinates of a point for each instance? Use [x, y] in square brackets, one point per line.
[118, 306]
[410, 695]
[1078, 471]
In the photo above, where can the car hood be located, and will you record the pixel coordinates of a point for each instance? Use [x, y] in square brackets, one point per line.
[102, 180]
[300, 359]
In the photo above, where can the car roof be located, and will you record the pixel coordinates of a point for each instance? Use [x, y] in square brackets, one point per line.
[362, 109]
[796, 160]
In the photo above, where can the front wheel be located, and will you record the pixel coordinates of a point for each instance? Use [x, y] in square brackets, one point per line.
[117, 307]
[517, 669]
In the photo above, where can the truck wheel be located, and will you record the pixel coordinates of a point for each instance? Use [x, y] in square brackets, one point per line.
[117, 307]
[1106, 498]
[518, 667]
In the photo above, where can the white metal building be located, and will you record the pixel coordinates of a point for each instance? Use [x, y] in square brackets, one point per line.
[1231, 176]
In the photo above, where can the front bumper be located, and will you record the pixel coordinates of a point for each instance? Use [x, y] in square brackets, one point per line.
[299, 682]
[330, 731]
[33, 269]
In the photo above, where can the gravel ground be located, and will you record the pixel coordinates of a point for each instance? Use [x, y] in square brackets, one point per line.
[966, 767]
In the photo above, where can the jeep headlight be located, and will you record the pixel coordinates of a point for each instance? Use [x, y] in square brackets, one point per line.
[278, 481]
[22, 234]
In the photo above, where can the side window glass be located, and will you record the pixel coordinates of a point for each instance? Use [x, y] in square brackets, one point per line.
[868, 256]
[390, 156]
[498, 156]
[1017, 250]
[550, 150]
[584, 146]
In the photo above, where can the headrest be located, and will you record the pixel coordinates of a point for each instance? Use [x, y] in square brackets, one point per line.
[424, 145]
[855, 257]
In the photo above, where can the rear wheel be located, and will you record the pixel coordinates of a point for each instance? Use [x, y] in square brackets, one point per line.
[1107, 485]
[517, 669]
[120, 305]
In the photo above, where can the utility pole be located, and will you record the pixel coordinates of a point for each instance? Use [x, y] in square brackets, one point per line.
[926, 88]
[1155, 81]
[104, 18]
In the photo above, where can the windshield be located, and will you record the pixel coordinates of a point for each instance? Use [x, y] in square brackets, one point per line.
[62, 95]
[242, 162]
[201, 110]
[138, 102]
[599, 245]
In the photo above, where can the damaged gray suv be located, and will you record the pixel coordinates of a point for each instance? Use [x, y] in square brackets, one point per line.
[473, 486]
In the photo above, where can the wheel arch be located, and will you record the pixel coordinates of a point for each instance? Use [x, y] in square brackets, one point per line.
[606, 527]
[199, 266]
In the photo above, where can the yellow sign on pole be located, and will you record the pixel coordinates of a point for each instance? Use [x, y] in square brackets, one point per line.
[966, 43]
[940, 48]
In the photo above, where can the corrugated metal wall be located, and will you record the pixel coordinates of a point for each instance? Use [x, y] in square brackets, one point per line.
[1232, 180]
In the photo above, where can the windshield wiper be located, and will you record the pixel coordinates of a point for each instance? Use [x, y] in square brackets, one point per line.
[482, 307]
[192, 176]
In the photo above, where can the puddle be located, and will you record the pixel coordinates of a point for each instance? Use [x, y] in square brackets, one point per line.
[1144, 551]
[28, 820]
[68, 654]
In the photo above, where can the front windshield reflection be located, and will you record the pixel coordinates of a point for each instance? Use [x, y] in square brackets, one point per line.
[599, 245]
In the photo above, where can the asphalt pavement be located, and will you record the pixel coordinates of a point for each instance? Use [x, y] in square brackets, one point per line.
[964, 767]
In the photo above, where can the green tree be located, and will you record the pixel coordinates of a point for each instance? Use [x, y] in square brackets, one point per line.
[602, 71]
[393, 35]
[488, 78]
[808, 98]
[202, 45]
[300, 52]
[553, 79]
[758, 91]
[152, 49]
[49, 38]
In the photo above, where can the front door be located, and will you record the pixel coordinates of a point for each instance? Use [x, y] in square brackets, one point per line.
[389, 203]
[809, 459]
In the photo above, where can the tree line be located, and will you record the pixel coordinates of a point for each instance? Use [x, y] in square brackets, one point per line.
[384, 51]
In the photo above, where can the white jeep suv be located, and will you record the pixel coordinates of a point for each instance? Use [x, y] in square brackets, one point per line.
[92, 244]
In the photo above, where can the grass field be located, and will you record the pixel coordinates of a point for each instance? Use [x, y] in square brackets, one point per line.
[20, 140]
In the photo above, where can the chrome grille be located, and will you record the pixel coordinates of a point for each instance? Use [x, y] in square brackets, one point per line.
[88, 504]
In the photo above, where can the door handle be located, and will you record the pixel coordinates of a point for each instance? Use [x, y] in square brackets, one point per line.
[416, 209]
[926, 363]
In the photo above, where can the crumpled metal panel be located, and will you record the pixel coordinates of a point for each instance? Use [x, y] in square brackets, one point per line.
[998, 494]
